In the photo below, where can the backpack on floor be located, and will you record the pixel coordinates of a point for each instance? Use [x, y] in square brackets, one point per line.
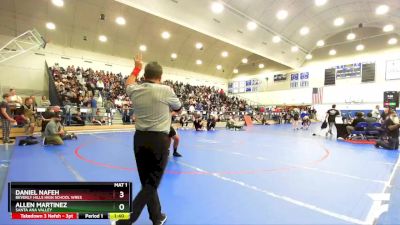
[27, 142]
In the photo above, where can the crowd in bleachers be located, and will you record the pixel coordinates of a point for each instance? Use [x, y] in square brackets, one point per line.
[79, 86]
[94, 88]
[205, 98]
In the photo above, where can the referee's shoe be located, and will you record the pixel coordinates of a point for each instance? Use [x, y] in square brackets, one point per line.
[161, 221]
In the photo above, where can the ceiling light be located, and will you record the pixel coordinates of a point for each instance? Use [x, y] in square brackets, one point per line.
[120, 20]
[219, 67]
[392, 41]
[251, 25]
[199, 45]
[102, 38]
[338, 21]
[320, 2]
[58, 3]
[382, 9]
[217, 7]
[281, 14]
[143, 48]
[174, 55]
[260, 65]
[50, 26]
[235, 71]
[351, 36]
[199, 62]
[224, 54]
[320, 43]
[165, 35]
[245, 60]
[360, 47]
[295, 49]
[304, 31]
[332, 52]
[276, 39]
[308, 56]
[388, 28]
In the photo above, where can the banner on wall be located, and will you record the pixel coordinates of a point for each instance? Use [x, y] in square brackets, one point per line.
[299, 80]
[280, 77]
[244, 86]
[393, 69]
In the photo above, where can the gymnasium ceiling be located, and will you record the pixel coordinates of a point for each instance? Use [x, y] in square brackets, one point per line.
[192, 21]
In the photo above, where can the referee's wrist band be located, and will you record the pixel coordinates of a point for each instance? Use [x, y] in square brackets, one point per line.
[135, 71]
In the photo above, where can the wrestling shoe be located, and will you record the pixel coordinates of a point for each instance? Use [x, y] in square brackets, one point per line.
[162, 220]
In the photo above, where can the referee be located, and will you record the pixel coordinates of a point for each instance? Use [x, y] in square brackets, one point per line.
[153, 102]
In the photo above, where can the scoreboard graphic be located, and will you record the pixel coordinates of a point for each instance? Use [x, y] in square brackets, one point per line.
[71, 200]
[391, 99]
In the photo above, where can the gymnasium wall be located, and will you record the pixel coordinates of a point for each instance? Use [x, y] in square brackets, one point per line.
[26, 72]
[345, 90]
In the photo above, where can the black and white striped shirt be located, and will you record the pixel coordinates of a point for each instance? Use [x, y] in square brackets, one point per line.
[152, 104]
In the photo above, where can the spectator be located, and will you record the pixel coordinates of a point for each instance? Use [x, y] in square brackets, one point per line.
[392, 126]
[359, 118]
[100, 85]
[295, 121]
[385, 114]
[53, 133]
[184, 121]
[5, 118]
[29, 117]
[46, 117]
[34, 103]
[211, 122]
[77, 119]
[198, 124]
[98, 119]
[16, 100]
[371, 119]
[376, 113]
[45, 102]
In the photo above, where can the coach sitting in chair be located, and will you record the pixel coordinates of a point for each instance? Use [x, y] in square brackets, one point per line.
[352, 127]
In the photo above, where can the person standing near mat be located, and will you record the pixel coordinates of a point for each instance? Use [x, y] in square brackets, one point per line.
[153, 102]
[6, 119]
[331, 117]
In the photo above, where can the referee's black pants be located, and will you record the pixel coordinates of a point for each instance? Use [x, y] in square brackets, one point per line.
[151, 152]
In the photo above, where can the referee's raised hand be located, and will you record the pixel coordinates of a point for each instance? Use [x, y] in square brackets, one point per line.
[139, 61]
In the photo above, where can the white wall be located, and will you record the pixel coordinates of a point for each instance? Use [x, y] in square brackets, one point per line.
[26, 72]
[345, 90]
